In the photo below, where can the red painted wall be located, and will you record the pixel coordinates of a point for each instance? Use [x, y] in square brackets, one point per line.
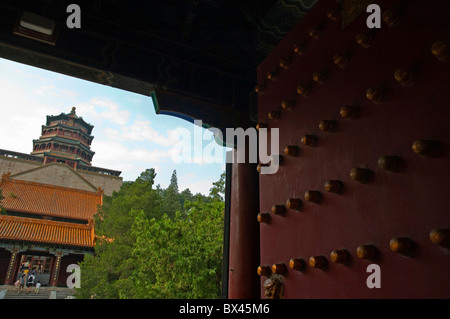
[407, 203]
[66, 261]
[5, 257]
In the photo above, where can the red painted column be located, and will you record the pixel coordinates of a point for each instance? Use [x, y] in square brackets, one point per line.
[9, 280]
[243, 280]
[55, 270]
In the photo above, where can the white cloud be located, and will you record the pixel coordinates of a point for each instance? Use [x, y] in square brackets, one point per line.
[24, 116]
[140, 130]
[123, 140]
[108, 153]
[149, 156]
[43, 89]
[69, 94]
[195, 185]
[51, 90]
[100, 109]
[131, 161]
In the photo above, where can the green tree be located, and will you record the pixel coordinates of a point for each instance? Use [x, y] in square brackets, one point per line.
[148, 176]
[115, 240]
[184, 196]
[218, 189]
[171, 197]
[180, 257]
[145, 253]
[174, 182]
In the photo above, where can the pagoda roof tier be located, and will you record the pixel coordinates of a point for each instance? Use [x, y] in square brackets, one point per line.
[62, 155]
[73, 128]
[71, 115]
[48, 200]
[45, 231]
[64, 140]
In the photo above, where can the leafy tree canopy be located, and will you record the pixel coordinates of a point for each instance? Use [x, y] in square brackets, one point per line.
[156, 243]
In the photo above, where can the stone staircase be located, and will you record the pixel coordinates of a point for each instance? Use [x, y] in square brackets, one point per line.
[10, 292]
[43, 278]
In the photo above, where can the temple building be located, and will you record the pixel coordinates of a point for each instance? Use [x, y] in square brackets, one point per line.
[49, 200]
[66, 138]
[354, 93]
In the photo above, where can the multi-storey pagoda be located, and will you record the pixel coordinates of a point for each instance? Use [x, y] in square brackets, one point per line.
[49, 201]
[65, 138]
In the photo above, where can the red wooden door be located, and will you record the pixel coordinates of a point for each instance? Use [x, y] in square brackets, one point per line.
[407, 200]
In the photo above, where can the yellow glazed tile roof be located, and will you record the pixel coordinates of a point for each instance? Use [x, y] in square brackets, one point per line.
[49, 200]
[45, 231]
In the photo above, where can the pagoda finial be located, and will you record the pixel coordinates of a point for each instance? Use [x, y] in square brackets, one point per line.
[73, 110]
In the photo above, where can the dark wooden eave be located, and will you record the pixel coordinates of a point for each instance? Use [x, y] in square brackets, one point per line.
[197, 59]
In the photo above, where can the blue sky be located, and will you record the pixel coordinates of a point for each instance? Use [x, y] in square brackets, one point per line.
[128, 135]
